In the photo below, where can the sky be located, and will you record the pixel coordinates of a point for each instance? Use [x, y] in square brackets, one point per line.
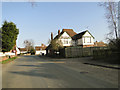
[38, 21]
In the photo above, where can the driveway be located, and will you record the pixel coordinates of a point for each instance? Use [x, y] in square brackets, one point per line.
[37, 72]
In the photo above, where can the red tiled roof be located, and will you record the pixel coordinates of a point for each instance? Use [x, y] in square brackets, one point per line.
[70, 32]
[22, 49]
[40, 47]
[100, 43]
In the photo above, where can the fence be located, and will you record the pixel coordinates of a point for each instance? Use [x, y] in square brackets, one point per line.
[6, 55]
[107, 55]
[71, 52]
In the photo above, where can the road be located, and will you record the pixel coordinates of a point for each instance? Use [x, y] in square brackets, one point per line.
[37, 72]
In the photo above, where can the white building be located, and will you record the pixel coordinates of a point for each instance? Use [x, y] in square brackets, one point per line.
[40, 50]
[23, 50]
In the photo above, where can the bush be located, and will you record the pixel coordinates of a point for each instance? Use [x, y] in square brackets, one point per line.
[32, 51]
[114, 44]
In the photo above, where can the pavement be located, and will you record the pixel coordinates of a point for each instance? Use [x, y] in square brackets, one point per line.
[43, 72]
[100, 63]
[89, 61]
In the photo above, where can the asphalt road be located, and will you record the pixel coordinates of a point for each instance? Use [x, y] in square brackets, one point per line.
[37, 72]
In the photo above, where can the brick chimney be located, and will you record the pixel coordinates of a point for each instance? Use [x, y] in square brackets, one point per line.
[42, 45]
[51, 36]
[58, 32]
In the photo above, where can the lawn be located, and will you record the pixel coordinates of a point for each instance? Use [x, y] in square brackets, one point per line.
[8, 60]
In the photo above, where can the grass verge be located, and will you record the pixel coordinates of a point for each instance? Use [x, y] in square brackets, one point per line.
[8, 60]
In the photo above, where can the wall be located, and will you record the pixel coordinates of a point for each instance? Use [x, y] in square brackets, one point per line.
[106, 55]
[80, 42]
[40, 52]
[18, 51]
[87, 37]
[65, 36]
[79, 51]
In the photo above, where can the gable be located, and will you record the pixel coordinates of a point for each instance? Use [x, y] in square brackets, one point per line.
[80, 35]
[66, 32]
[65, 36]
[87, 34]
[70, 32]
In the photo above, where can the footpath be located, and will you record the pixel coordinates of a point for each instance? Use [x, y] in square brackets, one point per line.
[101, 63]
[88, 61]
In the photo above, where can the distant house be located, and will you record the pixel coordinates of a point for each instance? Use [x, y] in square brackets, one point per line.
[14, 51]
[40, 50]
[100, 44]
[23, 50]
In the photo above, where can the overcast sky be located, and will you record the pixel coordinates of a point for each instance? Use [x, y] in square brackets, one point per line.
[39, 21]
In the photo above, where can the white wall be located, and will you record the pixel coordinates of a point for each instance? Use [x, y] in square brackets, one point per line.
[86, 39]
[9, 53]
[18, 51]
[23, 52]
[1, 54]
[40, 52]
[65, 37]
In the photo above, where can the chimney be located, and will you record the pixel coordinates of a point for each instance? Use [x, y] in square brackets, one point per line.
[51, 36]
[42, 45]
[58, 32]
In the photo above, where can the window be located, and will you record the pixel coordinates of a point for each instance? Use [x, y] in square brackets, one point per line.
[84, 39]
[90, 39]
[87, 39]
[65, 41]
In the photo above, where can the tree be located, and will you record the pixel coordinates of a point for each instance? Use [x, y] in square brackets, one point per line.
[9, 36]
[29, 44]
[32, 51]
[56, 44]
[111, 16]
[119, 19]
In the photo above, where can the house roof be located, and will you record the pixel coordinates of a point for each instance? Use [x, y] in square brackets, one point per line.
[79, 35]
[22, 49]
[70, 32]
[48, 47]
[40, 47]
[100, 43]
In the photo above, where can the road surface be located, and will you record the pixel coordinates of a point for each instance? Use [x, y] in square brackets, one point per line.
[37, 72]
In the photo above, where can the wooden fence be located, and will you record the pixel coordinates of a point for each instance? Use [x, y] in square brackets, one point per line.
[107, 55]
[71, 52]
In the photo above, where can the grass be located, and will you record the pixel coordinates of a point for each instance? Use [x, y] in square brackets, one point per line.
[8, 60]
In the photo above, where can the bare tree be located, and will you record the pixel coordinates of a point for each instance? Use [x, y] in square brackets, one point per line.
[56, 44]
[29, 44]
[111, 16]
[119, 18]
